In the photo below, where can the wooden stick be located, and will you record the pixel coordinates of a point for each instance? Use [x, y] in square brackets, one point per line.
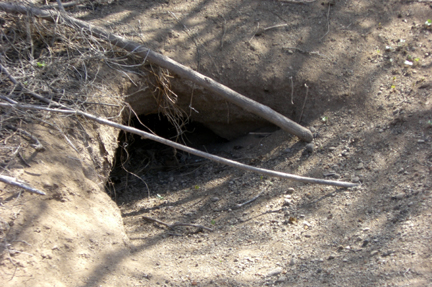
[15, 182]
[177, 68]
[239, 205]
[182, 147]
[170, 226]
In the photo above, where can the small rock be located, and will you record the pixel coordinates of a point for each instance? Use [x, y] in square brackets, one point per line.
[274, 272]
[355, 179]
[332, 148]
[374, 252]
[281, 279]
[287, 202]
[290, 190]
[398, 196]
[360, 166]
[387, 253]
[310, 147]
[331, 257]
[292, 262]
[214, 199]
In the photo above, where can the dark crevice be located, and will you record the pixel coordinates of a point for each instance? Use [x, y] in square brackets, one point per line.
[149, 160]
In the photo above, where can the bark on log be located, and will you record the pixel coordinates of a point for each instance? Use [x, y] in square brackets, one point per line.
[177, 68]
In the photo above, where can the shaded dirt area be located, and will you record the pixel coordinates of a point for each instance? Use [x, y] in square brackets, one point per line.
[365, 68]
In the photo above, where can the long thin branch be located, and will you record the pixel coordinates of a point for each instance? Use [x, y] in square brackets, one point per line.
[15, 182]
[177, 68]
[182, 147]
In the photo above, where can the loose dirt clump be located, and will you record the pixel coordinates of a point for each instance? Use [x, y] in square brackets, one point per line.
[366, 65]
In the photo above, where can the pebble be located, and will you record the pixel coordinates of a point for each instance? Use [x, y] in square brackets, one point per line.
[360, 166]
[287, 202]
[214, 199]
[398, 196]
[281, 279]
[310, 147]
[274, 272]
[290, 190]
[374, 252]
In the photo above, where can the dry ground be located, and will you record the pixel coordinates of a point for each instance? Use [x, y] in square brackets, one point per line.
[371, 118]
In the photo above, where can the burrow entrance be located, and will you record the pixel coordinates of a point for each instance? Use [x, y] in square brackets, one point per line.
[141, 164]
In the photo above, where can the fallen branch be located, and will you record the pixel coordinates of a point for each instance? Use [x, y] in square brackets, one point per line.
[167, 63]
[175, 145]
[171, 226]
[15, 182]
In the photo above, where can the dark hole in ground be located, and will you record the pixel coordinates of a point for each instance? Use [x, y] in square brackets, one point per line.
[141, 162]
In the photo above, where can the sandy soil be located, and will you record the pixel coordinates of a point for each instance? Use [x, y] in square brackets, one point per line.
[370, 113]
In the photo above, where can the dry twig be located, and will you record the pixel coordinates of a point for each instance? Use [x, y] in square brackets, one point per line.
[260, 31]
[304, 103]
[292, 90]
[328, 22]
[248, 201]
[171, 226]
[15, 182]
